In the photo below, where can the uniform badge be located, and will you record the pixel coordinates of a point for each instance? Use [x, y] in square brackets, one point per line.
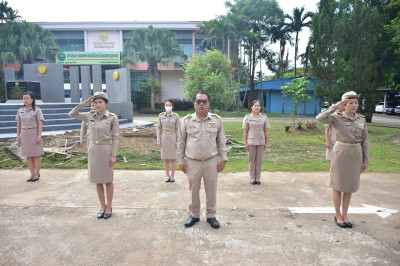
[211, 125]
[361, 124]
[346, 119]
[193, 125]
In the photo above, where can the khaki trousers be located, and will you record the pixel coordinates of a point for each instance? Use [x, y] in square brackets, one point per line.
[255, 155]
[195, 171]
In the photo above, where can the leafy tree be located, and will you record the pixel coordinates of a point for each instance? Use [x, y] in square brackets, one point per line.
[26, 43]
[252, 20]
[323, 44]
[297, 23]
[211, 72]
[154, 46]
[297, 91]
[7, 14]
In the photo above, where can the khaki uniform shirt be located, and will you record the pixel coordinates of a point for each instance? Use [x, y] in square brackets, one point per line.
[201, 139]
[348, 130]
[101, 129]
[28, 117]
[169, 124]
[256, 128]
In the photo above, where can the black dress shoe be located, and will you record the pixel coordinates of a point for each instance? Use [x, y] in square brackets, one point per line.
[171, 180]
[107, 215]
[100, 215]
[191, 221]
[342, 225]
[167, 180]
[214, 223]
[348, 225]
[253, 182]
[29, 180]
[258, 182]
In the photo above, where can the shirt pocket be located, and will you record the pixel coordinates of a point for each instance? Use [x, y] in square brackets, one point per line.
[212, 133]
[193, 133]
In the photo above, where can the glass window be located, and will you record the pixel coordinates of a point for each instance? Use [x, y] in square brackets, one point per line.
[186, 46]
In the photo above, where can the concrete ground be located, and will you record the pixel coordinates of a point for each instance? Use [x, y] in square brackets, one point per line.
[53, 221]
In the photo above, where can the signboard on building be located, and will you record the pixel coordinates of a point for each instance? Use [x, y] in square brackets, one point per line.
[16, 89]
[89, 58]
[103, 41]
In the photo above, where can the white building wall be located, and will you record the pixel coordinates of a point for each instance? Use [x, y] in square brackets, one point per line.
[171, 81]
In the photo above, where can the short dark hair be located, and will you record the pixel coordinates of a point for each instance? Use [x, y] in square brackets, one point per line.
[32, 97]
[254, 102]
[169, 100]
[201, 92]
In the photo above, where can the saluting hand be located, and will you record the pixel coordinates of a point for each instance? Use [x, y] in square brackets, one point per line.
[88, 101]
[340, 105]
[113, 159]
[364, 167]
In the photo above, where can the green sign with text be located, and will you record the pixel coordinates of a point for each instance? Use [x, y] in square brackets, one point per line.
[89, 58]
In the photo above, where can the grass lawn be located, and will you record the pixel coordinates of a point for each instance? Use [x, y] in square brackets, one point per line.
[240, 113]
[300, 151]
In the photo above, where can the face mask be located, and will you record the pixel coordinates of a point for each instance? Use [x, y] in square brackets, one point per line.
[168, 108]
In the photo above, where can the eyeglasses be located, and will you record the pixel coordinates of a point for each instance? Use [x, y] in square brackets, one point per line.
[201, 102]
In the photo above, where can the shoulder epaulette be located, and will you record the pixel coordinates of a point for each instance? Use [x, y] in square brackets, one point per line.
[248, 114]
[37, 107]
[92, 111]
[360, 115]
[186, 116]
[162, 113]
[175, 113]
[216, 115]
[111, 113]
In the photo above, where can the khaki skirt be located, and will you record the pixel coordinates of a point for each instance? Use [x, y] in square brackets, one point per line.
[29, 148]
[346, 164]
[100, 171]
[168, 146]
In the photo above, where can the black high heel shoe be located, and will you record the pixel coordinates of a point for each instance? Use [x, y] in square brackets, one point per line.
[107, 215]
[101, 214]
[35, 179]
[29, 180]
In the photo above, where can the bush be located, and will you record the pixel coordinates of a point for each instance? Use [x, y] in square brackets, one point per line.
[182, 104]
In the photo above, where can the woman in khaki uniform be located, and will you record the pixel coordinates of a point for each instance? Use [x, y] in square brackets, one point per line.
[350, 155]
[256, 140]
[102, 150]
[167, 128]
[29, 134]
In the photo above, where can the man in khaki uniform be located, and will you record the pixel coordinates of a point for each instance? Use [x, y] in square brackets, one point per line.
[201, 138]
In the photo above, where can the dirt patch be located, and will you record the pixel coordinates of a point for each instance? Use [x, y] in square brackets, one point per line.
[139, 139]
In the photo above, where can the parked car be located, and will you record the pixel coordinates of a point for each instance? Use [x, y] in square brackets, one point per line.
[397, 110]
[379, 106]
[389, 110]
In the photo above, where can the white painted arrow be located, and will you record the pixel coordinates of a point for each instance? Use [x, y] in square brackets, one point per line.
[382, 212]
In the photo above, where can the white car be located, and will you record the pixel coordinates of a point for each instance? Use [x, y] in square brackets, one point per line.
[379, 106]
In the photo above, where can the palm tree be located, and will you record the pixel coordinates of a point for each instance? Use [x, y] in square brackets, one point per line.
[26, 43]
[7, 14]
[297, 23]
[281, 33]
[154, 46]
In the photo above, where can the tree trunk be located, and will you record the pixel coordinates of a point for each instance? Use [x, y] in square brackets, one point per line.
[305, 107]
[296, 49]
[153, 78]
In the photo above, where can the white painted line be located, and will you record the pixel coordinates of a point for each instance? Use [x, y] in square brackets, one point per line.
[367, 209]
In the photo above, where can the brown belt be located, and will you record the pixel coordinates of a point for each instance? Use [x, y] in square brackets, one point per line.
[28, 127]
[202, 159]
[169, 132]
[102, 142]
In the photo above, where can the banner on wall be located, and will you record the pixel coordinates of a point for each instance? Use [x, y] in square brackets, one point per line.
[89, 58]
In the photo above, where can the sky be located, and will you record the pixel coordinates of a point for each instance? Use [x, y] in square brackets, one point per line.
[139, 10]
